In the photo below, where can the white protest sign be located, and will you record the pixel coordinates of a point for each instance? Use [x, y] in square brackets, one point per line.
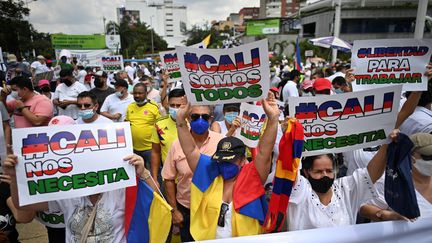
[344, 122]
[170, 64]
[60, 162]
[112, 63]
[235, 75]
[252, 120]
[380, 63]
[86, 58]
[113, 42]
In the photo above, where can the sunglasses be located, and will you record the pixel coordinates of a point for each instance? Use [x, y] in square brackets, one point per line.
[197, 116]
[223, 211]
[85, 106]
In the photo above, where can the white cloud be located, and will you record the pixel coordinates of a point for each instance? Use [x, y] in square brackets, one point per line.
[85, 17]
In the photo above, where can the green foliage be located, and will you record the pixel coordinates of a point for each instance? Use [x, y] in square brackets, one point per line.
[15, 31]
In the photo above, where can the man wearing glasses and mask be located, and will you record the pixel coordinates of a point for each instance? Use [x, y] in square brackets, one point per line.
[65, 96]
[176, 168]
[87, 106]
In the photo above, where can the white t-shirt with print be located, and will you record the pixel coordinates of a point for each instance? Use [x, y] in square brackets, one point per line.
[63, 92]
[305, 210]
[114, 104]
[108, 224]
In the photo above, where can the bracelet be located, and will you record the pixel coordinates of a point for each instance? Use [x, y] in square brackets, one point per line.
[181, 124]
[146, 174]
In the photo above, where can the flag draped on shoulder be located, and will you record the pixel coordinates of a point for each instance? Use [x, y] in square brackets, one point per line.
[206, 199]
[290, 149]
[147, 215]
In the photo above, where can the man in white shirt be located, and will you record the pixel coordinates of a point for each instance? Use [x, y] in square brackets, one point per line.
[65, 96]
[340, 72]
[81, 77]
[39, 66]
[420, 121]
[115, 105]
[130, 71]
[290, 88]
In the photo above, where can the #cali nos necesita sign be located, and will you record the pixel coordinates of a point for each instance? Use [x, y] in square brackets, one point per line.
[60, 162]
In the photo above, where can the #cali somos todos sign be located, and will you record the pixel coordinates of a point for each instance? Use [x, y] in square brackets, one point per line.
[380, 63]
[112, 63]
[60, 162]
[343, 122]
[233, 75]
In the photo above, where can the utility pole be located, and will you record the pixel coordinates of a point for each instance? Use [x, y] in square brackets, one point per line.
[104, 26]
[336, 27]
[151, 34]
[420, 20]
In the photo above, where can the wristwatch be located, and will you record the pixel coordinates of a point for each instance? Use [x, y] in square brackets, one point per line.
[19, 109]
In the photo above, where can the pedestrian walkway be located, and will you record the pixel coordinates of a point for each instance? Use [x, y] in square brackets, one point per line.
[33, 232]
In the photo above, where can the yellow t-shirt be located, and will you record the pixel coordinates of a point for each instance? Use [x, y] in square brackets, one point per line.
[142, 120]
[165, 133]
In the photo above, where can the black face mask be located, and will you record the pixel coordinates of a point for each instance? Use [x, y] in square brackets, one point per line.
[46, 89]
[321, 185]
[67, 82]
[98, 83]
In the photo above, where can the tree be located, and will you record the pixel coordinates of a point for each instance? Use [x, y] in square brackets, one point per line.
[15, 32]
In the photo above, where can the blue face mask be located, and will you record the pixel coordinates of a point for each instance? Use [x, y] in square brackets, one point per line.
[173, 112]
[199, 126]
[338, 91]
[228, 170]
[230, 116]
[119, 94]
[86, 114]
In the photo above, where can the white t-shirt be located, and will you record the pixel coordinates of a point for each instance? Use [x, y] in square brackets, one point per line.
[290, 90]
[424, 205]
[39, 67]
[337, 74]
[419, 121]
[357, 159]
[223, 127]
[305, 210]
[99, 120]
[130, 71]
[226, 231]
[114, 104]
[108, 222]
[53, 219]
[63, 92]
[81, 76]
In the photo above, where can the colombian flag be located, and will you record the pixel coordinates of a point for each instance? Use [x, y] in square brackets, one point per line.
[147, 215]
[249, 203]
[297, 58]
[290, 150]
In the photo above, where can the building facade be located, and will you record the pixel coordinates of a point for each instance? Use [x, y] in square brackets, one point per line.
[278, 8]
[166, 18]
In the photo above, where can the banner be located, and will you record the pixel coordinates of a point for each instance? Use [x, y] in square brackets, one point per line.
[170, 64]
[252, 121]
[87, 58]
[112, 63]
[380, 63]
[235, 75]
[61, 162]
[113, 42]
[78, 42]
[344, 122]
[262, 27]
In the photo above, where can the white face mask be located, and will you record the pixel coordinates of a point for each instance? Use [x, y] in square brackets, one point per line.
[15, 95]
[424, 167]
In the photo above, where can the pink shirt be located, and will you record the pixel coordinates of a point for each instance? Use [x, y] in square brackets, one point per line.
[39, 105]
[177, 168]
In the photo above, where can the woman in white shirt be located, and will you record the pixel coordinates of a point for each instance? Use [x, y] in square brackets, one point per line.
[320, 200]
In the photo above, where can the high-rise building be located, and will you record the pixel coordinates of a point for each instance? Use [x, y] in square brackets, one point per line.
[278, 8]
[166, 18]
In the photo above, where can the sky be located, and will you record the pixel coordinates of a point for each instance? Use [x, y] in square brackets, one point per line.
[85, 16]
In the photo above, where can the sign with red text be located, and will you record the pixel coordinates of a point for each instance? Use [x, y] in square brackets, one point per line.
[170, 64]
[348, 121]
[380, 63]
[112, 63]
[252, 121]
[219, 76]
[60, 162]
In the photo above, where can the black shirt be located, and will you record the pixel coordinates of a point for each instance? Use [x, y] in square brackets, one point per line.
[7, 220]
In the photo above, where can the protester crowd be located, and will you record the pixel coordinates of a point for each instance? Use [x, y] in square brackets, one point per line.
[205, 173]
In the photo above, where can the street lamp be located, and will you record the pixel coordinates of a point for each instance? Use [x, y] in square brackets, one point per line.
[151, 34]
[28, 20]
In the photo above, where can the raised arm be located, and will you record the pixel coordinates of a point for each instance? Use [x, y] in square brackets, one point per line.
[267, 140]
[188, 145]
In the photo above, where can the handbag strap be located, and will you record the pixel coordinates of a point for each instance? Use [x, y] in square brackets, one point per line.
[86, 229]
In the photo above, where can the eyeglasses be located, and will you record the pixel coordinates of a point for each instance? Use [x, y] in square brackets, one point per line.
[223, 211]
[175, 105]
[85, 106]
[197, 116]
